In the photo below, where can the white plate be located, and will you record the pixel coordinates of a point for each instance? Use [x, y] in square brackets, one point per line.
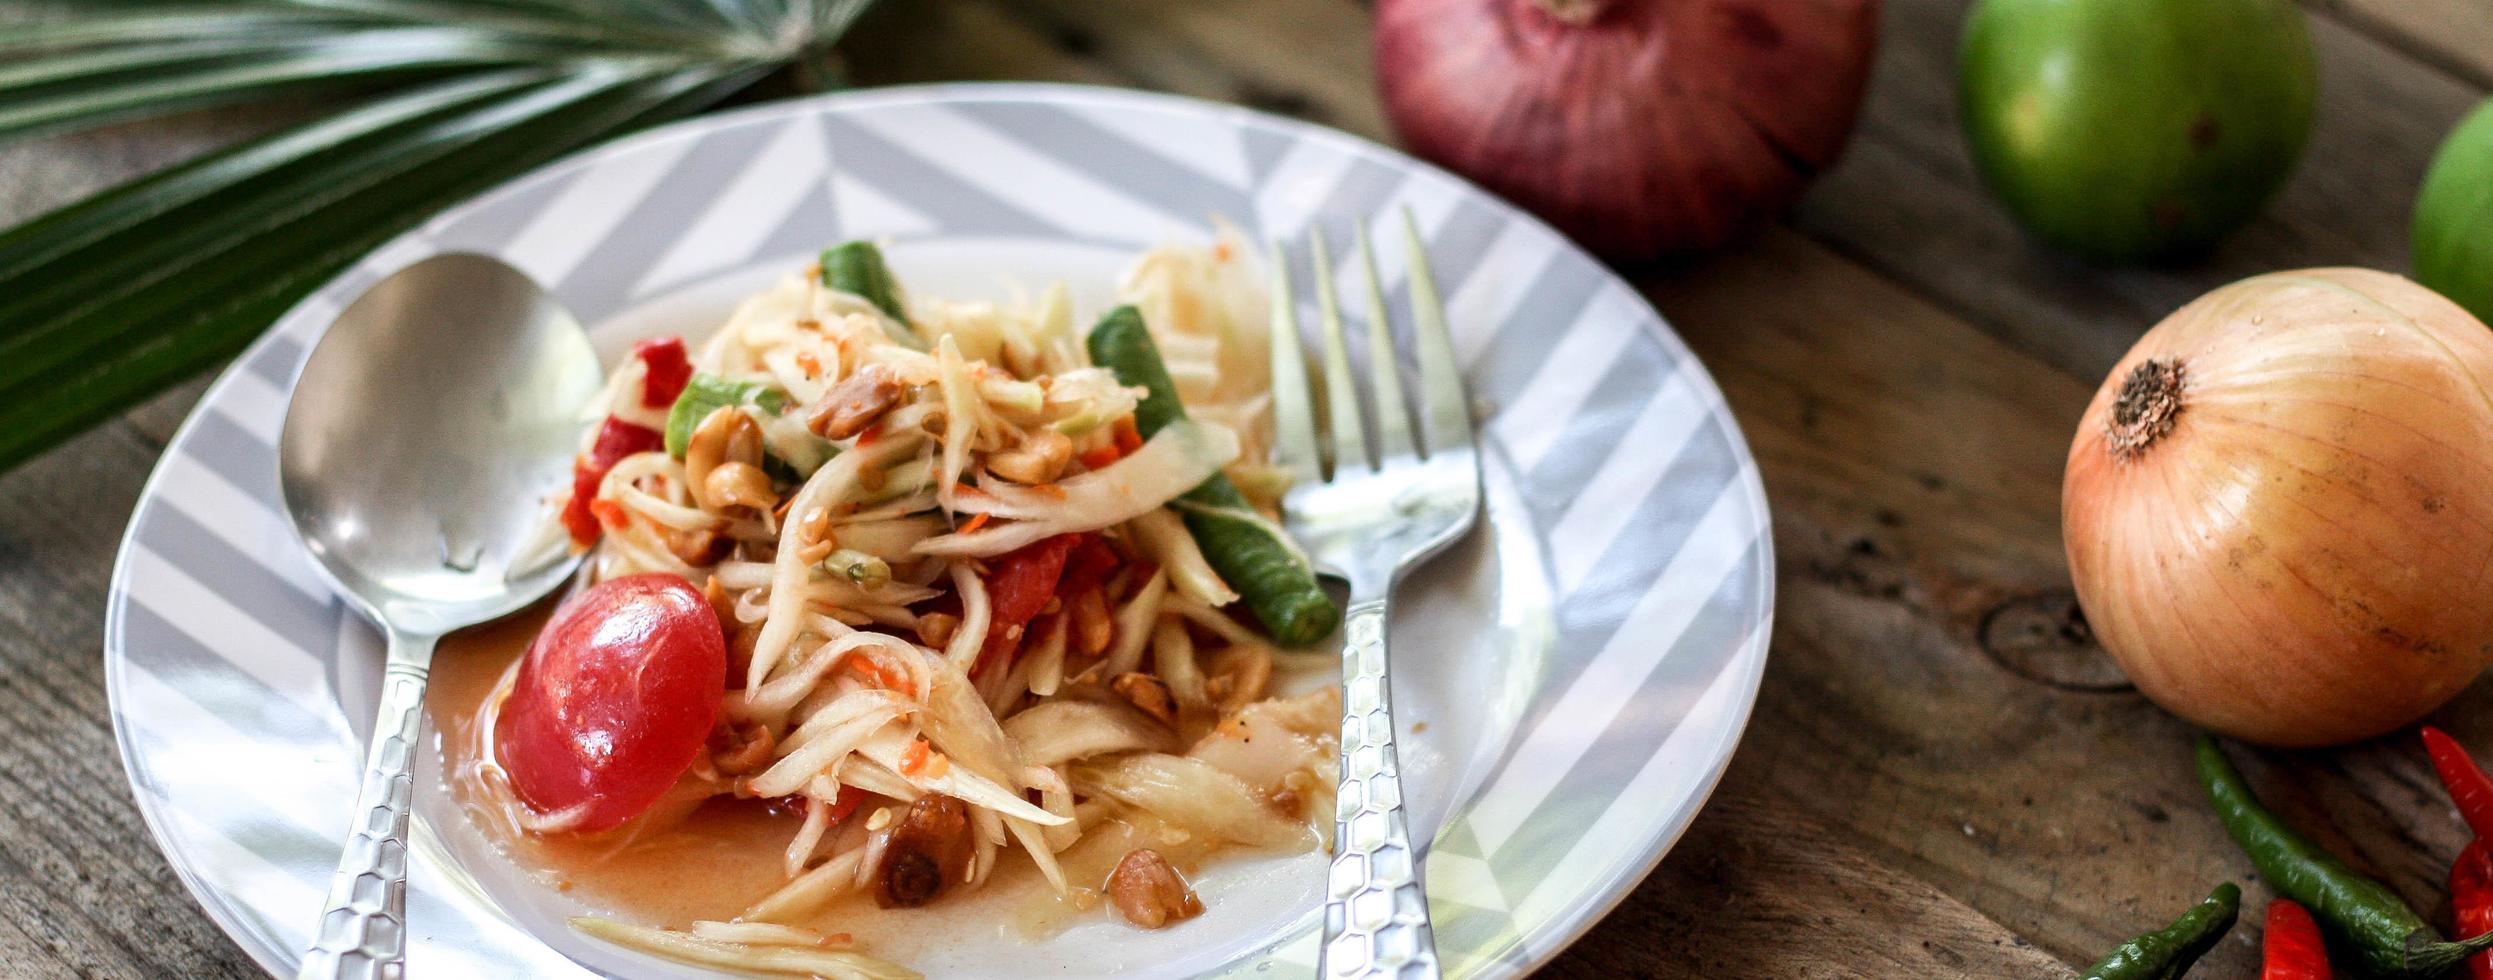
[1583, 666]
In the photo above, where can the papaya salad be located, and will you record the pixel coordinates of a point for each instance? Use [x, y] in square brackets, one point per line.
[935, 591]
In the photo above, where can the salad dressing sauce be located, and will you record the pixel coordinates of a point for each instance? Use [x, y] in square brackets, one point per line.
[726, 854]
[710, 865]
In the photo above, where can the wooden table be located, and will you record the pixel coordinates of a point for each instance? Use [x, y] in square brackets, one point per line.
[1943, 776]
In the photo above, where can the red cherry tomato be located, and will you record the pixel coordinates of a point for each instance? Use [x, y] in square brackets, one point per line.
[1019, 584]
[1087, 566]
[615, 699]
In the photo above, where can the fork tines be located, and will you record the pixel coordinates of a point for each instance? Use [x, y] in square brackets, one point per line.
[1444, 418]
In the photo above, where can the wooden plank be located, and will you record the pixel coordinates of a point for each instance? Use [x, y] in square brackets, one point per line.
[1674, 923]
[21, 952]
[982, 41]
[1333, 88]
[1306, 59]
[45, 174]
[1757, 890]
[1798, 398]
[154, 421]
[1912, 460]
[1913, 465]
[2455, 36]
[1905, 199]
[81, 885]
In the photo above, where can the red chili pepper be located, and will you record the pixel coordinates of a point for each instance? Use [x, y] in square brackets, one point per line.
[1128, 437]
[669, 370]
[2471, 902]
[2293, 949]
[2469, 787]
[615, 440]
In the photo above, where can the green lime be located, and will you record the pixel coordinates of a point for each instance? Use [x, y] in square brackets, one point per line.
[2135, 129]
[2454, 217]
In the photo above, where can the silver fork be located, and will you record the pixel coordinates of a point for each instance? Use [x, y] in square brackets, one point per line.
[1391, 503]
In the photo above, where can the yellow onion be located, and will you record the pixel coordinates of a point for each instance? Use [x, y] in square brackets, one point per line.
[2279, 507]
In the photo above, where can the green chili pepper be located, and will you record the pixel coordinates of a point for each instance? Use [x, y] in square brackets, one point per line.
[2167, 953]
[707, 393]
[1267, 572]
[2388, 937]
[857, 267]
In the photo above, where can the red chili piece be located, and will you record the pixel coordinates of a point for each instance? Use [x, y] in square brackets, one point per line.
[615, 440]
[668, 370]
[2471, 902]
[2292, 950]
[2469, 787]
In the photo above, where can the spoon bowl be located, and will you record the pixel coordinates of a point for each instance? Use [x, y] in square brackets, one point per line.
[430, 424]
[429, 427]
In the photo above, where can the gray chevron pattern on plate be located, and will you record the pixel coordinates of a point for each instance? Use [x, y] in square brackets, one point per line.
[1652, 567]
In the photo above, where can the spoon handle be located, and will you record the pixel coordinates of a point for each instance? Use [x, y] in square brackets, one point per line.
[364, 931]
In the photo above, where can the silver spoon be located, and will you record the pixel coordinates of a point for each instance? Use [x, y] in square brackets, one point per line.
[429, 426]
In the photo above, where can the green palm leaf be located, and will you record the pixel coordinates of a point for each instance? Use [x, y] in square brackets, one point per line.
[113, 298]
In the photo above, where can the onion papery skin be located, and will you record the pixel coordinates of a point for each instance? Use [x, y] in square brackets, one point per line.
[1640, 128]
[2305, 556]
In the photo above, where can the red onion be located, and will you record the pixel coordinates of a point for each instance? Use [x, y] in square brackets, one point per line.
[1640, 127]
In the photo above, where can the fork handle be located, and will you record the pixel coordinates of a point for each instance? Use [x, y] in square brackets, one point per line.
[1375, 912]
[363, 932]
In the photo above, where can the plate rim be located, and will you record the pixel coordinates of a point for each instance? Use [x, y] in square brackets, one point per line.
[1585, 909]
